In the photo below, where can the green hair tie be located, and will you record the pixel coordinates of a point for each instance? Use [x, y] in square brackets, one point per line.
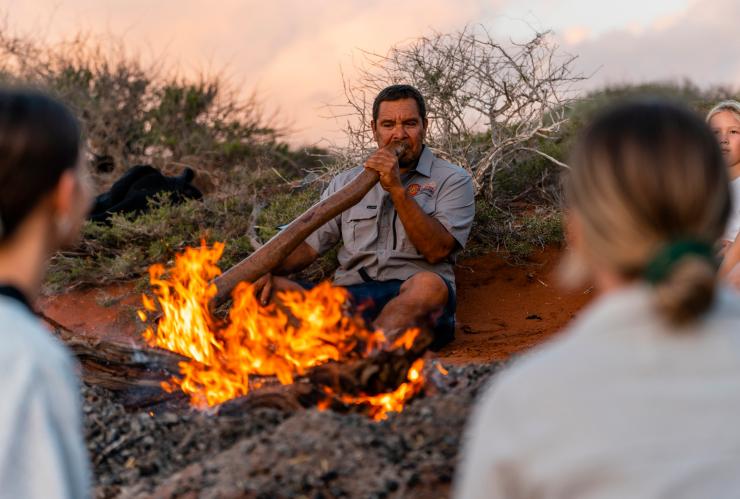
[663, 262]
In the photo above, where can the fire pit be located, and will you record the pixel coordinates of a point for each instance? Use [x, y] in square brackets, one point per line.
[265, 452]
[309, 336]
[236, 424]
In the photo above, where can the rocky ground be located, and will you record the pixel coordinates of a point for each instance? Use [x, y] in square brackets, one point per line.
[267, 453]
[503, 309]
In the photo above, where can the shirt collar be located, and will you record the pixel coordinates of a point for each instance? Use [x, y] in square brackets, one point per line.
[424, 166]
[16, 294]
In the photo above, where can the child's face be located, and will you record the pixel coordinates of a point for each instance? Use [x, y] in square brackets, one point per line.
[726, 127]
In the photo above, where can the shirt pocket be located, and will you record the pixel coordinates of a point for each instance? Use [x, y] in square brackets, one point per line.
[359, 228]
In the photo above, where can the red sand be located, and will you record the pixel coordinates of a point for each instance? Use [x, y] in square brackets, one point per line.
[502, 308]
[107, 313]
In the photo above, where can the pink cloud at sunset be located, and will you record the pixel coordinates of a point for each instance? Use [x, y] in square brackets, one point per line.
[699, 43]
[293, 52]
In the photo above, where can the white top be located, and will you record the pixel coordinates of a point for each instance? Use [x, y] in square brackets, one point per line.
[619, 406]
[42, 452]
[733, 224]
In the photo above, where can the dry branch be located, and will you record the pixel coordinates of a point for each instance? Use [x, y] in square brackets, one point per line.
[135, 374]
[487, 101]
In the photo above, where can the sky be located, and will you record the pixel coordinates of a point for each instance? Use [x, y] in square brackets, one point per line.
[294, 52]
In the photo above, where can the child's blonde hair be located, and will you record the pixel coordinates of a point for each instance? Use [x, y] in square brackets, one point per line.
[726, 105]
[651, 190]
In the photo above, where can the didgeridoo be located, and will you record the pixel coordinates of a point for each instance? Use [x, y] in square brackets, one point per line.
[274, 251]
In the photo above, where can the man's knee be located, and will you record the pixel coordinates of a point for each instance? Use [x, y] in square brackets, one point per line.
[427, 287]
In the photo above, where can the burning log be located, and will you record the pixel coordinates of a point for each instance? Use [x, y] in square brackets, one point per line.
[134, 374]
[272, 253]
[381, 372]
[343, 386]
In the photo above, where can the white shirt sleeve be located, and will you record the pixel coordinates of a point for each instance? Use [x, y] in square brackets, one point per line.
[42, 452]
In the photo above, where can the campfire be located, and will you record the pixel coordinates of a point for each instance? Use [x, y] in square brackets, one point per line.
[301, 335]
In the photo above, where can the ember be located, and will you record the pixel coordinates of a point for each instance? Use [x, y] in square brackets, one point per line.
[308, 329]
[380, 405]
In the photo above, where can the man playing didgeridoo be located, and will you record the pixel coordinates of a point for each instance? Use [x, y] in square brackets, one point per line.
[400, 240]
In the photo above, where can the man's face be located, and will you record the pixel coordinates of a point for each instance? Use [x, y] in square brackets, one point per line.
[400, 121]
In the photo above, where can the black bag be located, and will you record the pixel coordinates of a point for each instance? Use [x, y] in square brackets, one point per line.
[131, 192]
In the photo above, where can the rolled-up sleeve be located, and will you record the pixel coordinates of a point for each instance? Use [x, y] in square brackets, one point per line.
[326, 236]
[455, 208]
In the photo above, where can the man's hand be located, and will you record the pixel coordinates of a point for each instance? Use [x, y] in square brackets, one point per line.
[268, 288]
[385, 162]
[263, 288]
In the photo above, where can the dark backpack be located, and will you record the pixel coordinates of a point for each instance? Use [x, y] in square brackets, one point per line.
[131, 193]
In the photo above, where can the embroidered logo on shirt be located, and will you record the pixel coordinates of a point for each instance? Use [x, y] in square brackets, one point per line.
[415, 189]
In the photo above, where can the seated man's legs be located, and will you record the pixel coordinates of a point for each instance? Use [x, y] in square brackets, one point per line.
[424, 299]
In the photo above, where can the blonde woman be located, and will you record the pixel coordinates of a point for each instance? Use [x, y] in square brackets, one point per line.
[724, 120]
[43, 201]
[640, 396]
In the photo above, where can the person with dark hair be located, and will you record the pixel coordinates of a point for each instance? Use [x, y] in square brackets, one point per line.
[44, 198]
[640, 396]
[399, 242]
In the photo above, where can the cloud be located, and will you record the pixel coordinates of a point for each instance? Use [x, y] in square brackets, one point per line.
[700, 43]
[290, 51]
[576, 34]
[305, 75]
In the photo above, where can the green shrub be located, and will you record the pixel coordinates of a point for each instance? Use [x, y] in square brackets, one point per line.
[125, 249]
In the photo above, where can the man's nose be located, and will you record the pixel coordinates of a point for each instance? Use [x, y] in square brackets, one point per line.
[724, 139]
[399, 132]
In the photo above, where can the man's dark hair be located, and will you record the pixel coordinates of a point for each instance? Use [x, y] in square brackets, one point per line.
[398, 92]
[39, 140]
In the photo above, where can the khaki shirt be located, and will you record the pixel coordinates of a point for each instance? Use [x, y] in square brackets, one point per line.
[373, 237]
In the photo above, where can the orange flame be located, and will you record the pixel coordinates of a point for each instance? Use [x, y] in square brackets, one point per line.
[308, 329]
[380, 405]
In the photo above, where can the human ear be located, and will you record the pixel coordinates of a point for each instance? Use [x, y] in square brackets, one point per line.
[63, 195]
[573, 226]
[573, 270]
[68, 210]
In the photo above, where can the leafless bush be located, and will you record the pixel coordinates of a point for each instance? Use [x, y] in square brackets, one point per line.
[135, 111]
[487, 101]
